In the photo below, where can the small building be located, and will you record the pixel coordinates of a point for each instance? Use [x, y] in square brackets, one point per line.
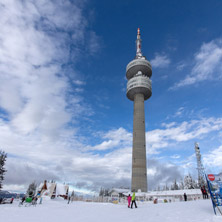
[175, 195]
[53, 190]
[118, 192]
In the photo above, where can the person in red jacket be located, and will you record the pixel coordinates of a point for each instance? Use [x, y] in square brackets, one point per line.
[129, 200]
[12, 200]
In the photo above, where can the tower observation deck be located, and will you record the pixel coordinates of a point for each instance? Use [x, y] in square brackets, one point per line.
[139, 89]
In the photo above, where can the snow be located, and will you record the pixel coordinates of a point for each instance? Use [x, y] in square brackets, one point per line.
[59, 210]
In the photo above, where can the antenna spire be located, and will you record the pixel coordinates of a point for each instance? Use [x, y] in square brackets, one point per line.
[138, 45]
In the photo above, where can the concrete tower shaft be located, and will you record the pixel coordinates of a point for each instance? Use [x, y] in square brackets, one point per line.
[139, 171]
[139, 88]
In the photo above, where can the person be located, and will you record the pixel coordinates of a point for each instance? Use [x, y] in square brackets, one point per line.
[1, 199]
[185, 197]
[12, 200]
[204, 192]
[34, 201]
[133, 200]
[129, 200]
[23, 199]
[69, 198]
[40, 200]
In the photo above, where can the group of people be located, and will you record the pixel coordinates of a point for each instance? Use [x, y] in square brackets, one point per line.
[204, 192]
[132, 200]
[32, 200]
[4, 201]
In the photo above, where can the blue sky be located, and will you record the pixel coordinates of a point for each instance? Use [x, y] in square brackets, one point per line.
[64, 114]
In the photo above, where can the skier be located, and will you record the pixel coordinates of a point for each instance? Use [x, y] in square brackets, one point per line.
[129, 200]
[23, 199]
[34, 201]
[133, 200]
[185, 197]
[12, 200]
[69, 199]
[205, 193]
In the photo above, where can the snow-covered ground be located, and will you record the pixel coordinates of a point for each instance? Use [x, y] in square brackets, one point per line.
[59, 211]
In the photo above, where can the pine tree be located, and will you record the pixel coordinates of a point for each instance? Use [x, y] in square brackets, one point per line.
[101, 192]
[31, 190]
[195, 184]
[181, 186]
[3, 157]
[188, 182]
[106, 192]
[175, 186]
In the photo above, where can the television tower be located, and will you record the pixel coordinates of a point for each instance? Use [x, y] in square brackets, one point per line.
[139, 89]
[200, 168]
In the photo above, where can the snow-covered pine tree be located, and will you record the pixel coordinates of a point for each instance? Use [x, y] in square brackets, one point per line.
[188, 182]
[175, 186]
[181, 186]
[101, 192]
[106, 192]
[31, 189]
[3, 157]
[195, 184]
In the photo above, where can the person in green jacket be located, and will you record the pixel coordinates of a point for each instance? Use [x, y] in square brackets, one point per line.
[133, 200]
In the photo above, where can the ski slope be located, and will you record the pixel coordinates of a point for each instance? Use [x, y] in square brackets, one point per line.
[59, 211]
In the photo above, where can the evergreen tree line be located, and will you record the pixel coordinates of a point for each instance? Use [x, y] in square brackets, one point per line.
[187, 183]
[104, 192]
[3, 157]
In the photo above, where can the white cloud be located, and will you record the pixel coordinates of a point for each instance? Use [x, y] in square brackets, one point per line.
[162, 138]
[79, 82]
[35, 43]
[160, 61]
[213, 158]
[181, 66]
[179, 112]
[208, 64]
[176, 156]
[95, 43]
[114, 138]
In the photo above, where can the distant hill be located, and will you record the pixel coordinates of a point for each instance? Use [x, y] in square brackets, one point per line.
[7, 194]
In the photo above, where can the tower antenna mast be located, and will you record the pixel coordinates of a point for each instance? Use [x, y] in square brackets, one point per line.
[200, 168]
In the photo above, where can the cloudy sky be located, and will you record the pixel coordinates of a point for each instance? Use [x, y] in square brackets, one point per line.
[64, 114]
